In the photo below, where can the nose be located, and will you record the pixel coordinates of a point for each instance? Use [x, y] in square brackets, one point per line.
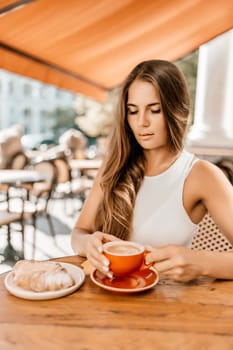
[143, 119]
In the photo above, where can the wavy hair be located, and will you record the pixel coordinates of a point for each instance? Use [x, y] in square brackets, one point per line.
[123, 169]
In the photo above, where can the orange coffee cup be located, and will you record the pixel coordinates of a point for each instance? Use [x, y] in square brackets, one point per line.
[125, 257]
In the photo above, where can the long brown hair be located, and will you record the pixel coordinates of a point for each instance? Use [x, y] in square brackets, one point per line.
[124, 163]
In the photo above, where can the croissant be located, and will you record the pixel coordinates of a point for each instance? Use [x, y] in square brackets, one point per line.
[41, 276]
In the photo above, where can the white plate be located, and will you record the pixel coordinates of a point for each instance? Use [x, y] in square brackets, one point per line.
[76, 272]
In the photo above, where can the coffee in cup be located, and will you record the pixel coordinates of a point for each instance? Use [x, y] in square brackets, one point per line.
[125, 257]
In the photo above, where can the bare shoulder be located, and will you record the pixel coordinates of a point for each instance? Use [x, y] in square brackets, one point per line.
[206, 188]
[208, 185]
[206, 176]
[206, 169]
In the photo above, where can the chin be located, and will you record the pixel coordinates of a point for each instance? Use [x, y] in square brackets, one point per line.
[149, 146]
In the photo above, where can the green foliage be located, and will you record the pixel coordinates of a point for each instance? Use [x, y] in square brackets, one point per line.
[62, 119]
[188, 65]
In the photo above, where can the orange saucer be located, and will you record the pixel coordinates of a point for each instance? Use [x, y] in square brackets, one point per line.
[138, 281]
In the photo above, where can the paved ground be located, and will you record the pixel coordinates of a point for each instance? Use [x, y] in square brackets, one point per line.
[63, 219]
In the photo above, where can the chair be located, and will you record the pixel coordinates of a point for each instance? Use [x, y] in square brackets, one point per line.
[68, 187]
[6, 219]
[209, 237]
[36, 200]
[18, 161]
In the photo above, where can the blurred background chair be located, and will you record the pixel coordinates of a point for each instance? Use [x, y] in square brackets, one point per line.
[10, 145]
[35, 200]
[75, 143]
[6, 221]
[12, 156]
[69, 187]
[18, 161]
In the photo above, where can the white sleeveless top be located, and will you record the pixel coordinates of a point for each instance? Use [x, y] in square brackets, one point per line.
[159, 214]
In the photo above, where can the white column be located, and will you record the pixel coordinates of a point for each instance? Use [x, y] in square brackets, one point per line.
[213, 119]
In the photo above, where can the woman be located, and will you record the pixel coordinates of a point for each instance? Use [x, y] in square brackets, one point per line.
[151, 190]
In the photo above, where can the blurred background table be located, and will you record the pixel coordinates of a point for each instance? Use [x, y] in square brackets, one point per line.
[83, 165]
[13, 177]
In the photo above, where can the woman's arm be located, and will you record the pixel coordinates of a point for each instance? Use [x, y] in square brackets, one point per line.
[85, 222]
[216, 193]
[183, 264]
[85, 241]
[207, 185]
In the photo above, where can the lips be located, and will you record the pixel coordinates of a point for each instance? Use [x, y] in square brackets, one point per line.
[146, 134]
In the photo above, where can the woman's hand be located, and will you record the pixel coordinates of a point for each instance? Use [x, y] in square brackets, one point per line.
[176, 262]
[94, 251]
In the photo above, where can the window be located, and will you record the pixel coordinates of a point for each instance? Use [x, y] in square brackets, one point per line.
[11, 87]
[27, 89]
[27, 113]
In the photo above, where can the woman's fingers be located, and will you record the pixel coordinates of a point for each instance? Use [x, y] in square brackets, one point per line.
[163, 253]
[100, 267]
[96, 241]
[165, 260]
[109, 238]
[99, 262]
[175, 262]
[164, 266]
[99, 238]
[94, 252]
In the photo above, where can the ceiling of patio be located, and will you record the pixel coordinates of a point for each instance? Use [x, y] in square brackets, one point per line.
[89, 46]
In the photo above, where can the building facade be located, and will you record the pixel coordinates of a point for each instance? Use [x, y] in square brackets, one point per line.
[28, 102]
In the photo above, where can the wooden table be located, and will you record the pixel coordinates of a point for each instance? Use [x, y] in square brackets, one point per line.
[197, 315]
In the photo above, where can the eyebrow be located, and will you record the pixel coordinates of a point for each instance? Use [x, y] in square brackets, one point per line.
[149, 105]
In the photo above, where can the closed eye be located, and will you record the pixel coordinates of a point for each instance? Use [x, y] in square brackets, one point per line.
[132, 112]
[156, 111]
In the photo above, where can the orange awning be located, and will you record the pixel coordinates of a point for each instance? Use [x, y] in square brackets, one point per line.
[89, 46]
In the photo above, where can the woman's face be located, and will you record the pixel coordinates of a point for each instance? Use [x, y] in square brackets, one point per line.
[145, 115]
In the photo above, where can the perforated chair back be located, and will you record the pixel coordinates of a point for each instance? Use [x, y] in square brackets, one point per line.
[209, 237]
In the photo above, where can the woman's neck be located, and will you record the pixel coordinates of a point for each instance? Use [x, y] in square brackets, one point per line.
[159, 161]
